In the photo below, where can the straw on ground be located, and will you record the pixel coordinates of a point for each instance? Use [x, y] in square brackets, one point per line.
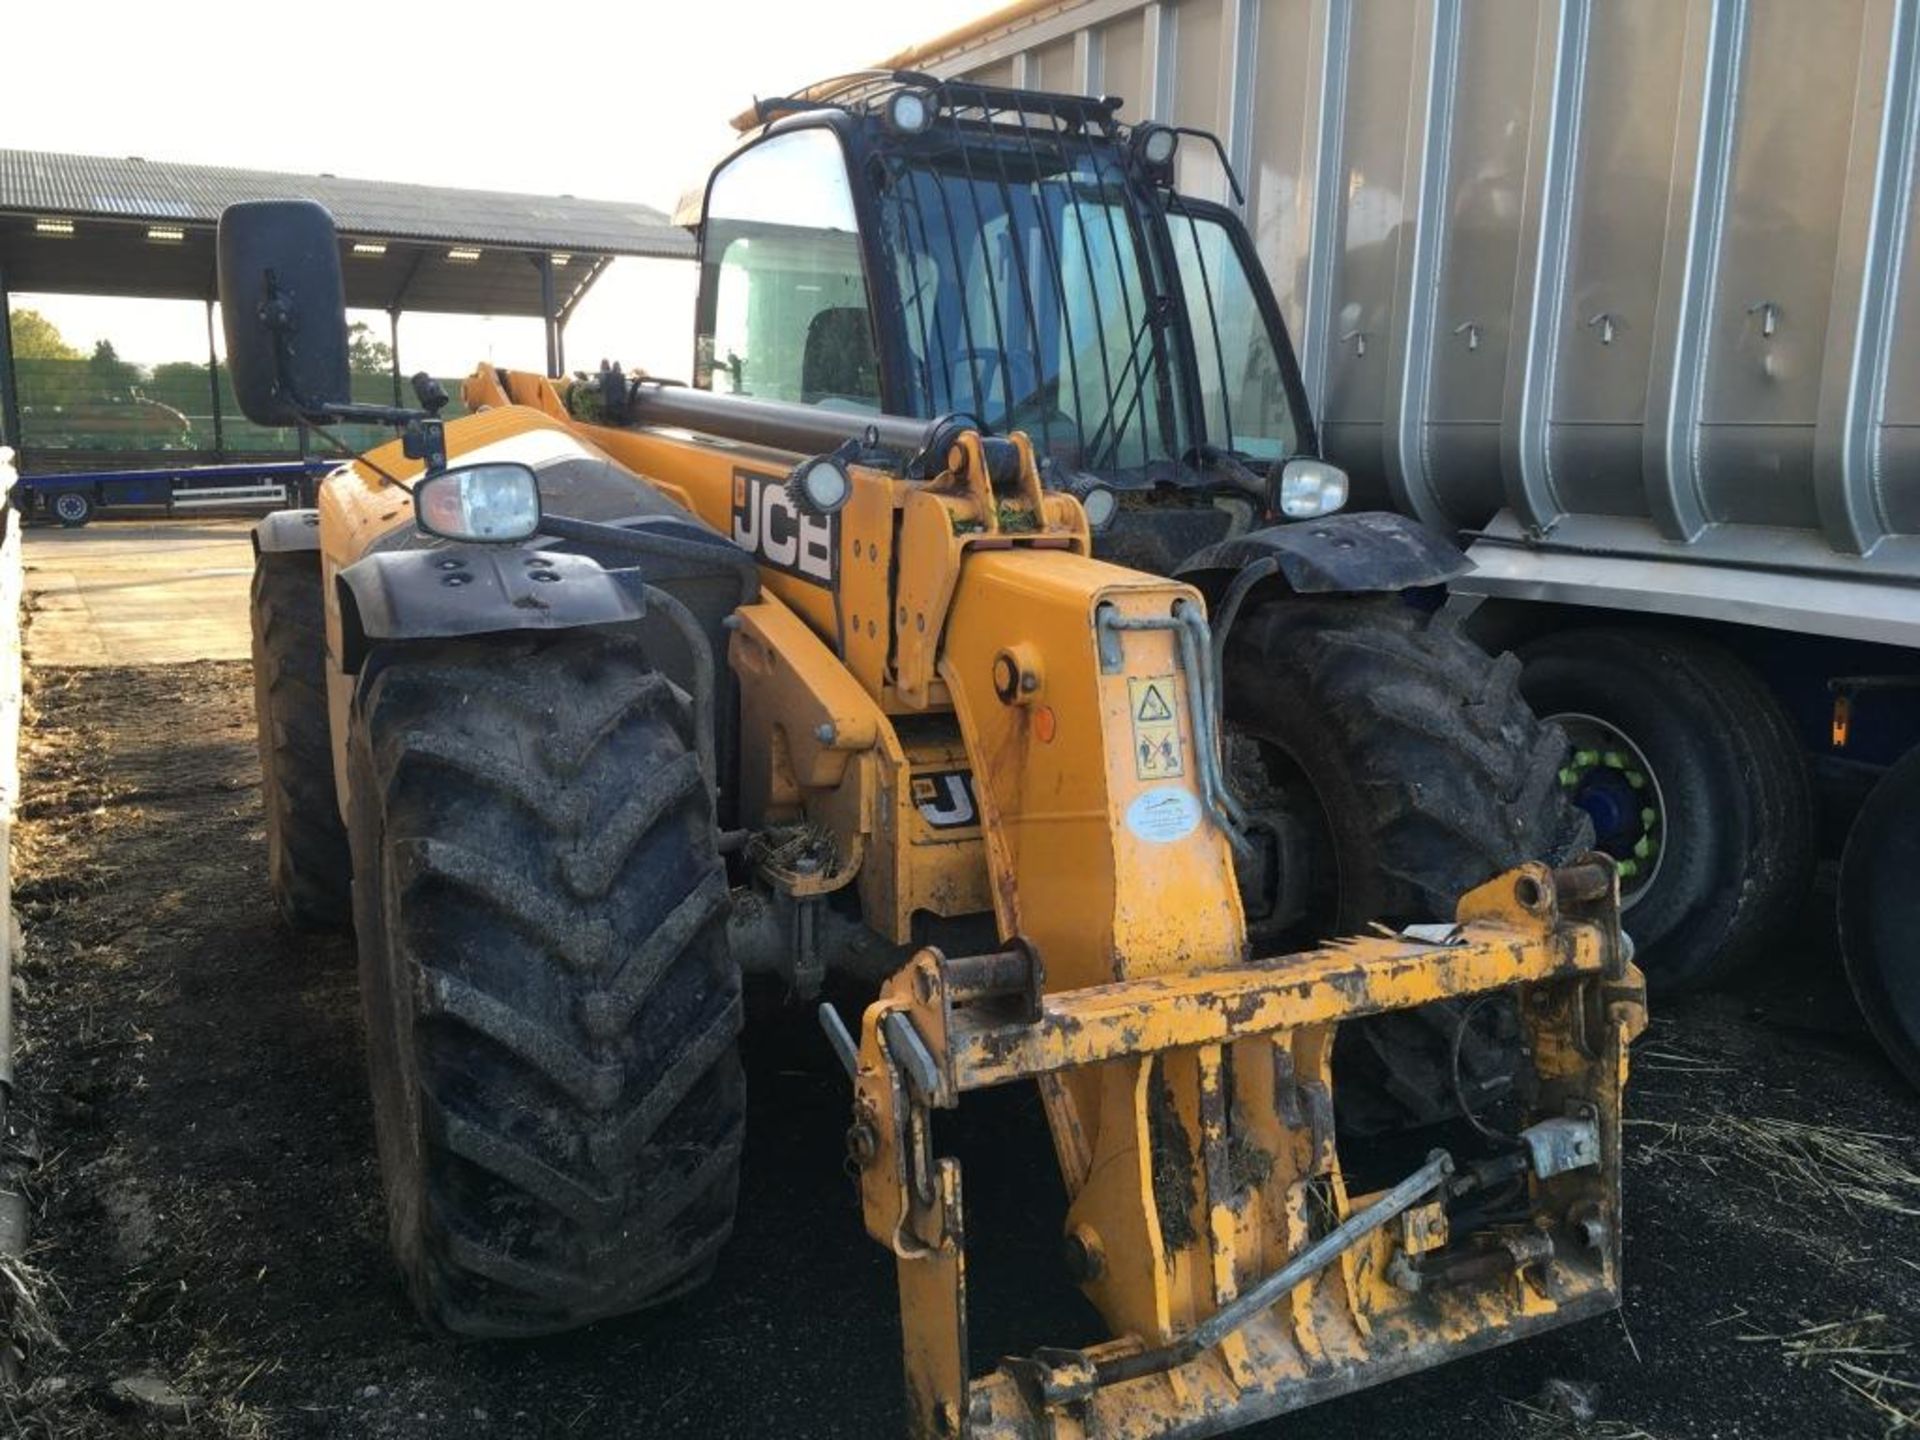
[1855, 1168]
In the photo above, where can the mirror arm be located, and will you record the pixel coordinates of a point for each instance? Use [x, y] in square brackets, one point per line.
[356, 413]
[423, 435]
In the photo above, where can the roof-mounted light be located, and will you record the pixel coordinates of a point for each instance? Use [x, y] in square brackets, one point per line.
[53, 227]
[1154, 146]
[460, 254]
[910, 112]
[165, 234]
[373, 249]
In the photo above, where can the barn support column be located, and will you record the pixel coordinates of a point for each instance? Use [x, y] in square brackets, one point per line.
[550, 318]
[213, 389]
[393, 350]
[9, 382]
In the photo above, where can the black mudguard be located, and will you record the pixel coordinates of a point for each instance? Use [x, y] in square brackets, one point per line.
[287, 532]
[457, 590]
[410, 587]
[1371, 551]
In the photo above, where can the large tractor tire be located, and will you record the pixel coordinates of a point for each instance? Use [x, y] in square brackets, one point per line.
[552, 1010]
[308, 871]
[1416, 771]
[1695, 781]
[1880, 913]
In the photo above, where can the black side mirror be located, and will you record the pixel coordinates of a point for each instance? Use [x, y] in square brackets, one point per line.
[284, 307]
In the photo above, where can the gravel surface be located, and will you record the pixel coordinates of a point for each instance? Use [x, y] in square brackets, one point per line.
[209, 1235]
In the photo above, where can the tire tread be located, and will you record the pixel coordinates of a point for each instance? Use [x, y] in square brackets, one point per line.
[1444, 778]
[574, 1151]
[308, 869]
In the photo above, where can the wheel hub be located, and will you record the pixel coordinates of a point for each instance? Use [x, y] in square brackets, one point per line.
[1607, 775]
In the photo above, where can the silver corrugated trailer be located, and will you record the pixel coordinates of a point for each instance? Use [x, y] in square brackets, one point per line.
[1628, 291]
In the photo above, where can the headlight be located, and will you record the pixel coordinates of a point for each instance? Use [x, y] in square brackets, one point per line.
[1096, 497]
[498, 503]
[1309, 488]
[1101, 505]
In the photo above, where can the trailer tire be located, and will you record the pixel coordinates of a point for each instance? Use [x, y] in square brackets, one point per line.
[72, 508]
[1880, 913]
[1731, 793]
[308, 871]
[552, 1009]
[1429, 775]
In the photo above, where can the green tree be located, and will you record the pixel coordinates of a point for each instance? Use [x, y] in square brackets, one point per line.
[180, 372]
[366, 354]
[179, 382]
[110, 374]
[37, 338]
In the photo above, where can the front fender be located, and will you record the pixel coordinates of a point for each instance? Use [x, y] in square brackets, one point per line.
[1366, 551]
[286, 532]
[451, 591]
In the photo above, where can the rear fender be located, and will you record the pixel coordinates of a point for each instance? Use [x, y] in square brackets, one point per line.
[452, 591]
[1368, 552]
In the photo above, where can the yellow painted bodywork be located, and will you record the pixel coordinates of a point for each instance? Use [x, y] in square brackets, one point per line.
[961, 633]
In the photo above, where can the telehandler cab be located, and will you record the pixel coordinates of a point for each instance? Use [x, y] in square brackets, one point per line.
[998, 636]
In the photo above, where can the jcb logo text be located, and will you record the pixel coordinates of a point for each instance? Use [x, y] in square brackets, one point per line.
[766, 524]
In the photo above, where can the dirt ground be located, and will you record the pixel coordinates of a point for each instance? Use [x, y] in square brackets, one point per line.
[208, 1210]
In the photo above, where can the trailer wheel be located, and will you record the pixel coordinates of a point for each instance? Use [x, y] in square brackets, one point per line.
[72, 508]
[1880, 913]
[307, 867]
[1419, 772]
[552, 1009]
[1695, 783]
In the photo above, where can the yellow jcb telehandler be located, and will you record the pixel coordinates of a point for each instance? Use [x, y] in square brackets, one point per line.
[984, 623]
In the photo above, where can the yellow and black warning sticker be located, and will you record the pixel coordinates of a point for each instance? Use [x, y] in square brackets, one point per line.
[1156, 727]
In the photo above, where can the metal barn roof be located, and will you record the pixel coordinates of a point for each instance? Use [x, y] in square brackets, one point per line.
[89, 224]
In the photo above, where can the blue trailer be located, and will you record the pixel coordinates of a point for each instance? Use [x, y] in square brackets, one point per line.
[75, 498]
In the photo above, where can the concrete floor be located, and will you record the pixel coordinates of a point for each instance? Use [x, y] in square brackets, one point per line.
[120, 592]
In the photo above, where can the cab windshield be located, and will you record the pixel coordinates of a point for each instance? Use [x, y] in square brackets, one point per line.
[1026, 300]
[1029, 297]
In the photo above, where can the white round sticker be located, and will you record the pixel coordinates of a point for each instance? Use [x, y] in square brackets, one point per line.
[1163, 814]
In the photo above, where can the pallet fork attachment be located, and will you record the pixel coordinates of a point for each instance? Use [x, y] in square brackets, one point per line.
[1296, 1290]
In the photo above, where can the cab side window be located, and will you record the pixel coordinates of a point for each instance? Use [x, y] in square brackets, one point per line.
[783, 300]
[1242, 382]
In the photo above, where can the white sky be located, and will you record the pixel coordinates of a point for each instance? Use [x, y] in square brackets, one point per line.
[610, 100]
